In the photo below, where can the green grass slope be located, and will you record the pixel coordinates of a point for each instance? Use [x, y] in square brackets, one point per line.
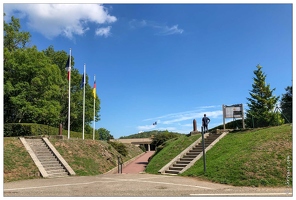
[86, 157]
[171, 149]
[17, 163]
[261, 157]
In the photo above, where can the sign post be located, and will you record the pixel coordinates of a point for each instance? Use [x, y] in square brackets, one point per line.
[233, 111]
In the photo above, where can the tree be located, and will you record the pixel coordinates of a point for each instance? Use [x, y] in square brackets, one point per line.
[286, 104]
[59, 58]
[104, 134]
[36, 85]
[262, 103]
[13, 38]
[162, 137]
[31, 87]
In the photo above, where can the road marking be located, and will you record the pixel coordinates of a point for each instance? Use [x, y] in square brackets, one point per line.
[137, 180]
[60, 185]
[243, 194]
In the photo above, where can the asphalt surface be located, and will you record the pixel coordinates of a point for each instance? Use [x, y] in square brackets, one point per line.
[133, 183]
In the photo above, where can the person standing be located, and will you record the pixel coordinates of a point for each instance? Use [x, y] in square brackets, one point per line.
[205, 122]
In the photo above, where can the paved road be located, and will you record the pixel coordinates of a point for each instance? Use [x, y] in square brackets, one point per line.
[131, 183]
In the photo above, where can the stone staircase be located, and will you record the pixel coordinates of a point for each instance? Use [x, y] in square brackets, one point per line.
[46, 158]
[189, 156]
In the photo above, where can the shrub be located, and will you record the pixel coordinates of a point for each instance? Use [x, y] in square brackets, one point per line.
[119, 147]
[28, 129]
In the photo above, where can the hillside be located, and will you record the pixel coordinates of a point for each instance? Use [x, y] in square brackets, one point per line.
[147, 134]
[86, 157]
[259, 157]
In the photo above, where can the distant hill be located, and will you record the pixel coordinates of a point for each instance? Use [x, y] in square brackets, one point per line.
[146, 134]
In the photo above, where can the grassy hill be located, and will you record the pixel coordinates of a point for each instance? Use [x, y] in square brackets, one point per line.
[86, 157]
[259, 157]
[147, 134]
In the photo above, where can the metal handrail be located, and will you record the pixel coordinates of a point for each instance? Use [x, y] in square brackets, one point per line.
[120, 162]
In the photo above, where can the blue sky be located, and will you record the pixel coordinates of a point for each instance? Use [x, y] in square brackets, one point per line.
[166, 63]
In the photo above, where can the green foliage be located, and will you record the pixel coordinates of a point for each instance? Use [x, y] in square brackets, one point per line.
[146, 134]
[142, 147]
[13, 38]
[120, 147]
[36, 85]
[286, 104]
[14, 130]
[262, 103]
[104, 134]
[27, 129]
[160, 138]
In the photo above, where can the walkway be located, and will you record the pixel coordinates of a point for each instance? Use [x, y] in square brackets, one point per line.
[138, 165]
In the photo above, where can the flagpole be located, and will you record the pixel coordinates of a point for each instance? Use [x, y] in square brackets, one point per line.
[69, 92]
[94, 108]
[83, 102]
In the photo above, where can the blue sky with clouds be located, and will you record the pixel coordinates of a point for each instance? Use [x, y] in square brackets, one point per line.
[166, 63]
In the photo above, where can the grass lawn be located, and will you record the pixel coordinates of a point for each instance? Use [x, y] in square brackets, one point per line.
[259, 157]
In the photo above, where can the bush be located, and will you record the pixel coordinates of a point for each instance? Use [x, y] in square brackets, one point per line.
[119, 147]
[142, 147]
[28, 129]
[161, 138]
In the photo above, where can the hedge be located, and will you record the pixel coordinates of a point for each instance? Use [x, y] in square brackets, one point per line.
[28, 129]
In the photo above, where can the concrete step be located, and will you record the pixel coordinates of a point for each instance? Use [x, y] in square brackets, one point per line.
[185, 159]
[46, 160]
[179, 162]
[46, 157]
[194, 153]
[176, 168]
[51, 164]
[54, 167]
[56, 175]
[189, 156]
[171, 172]
[180, 165]
[196, 149]
[55, 171]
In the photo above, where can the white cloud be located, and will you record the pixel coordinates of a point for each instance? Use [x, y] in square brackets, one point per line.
[161, 29]
[192, 115]
[103, 31]
[52, 20]
[170, 30]
[181, 122]
[146, 127]
[137, 23]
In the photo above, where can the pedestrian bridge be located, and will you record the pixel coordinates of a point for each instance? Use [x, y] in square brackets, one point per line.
[146, 142]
